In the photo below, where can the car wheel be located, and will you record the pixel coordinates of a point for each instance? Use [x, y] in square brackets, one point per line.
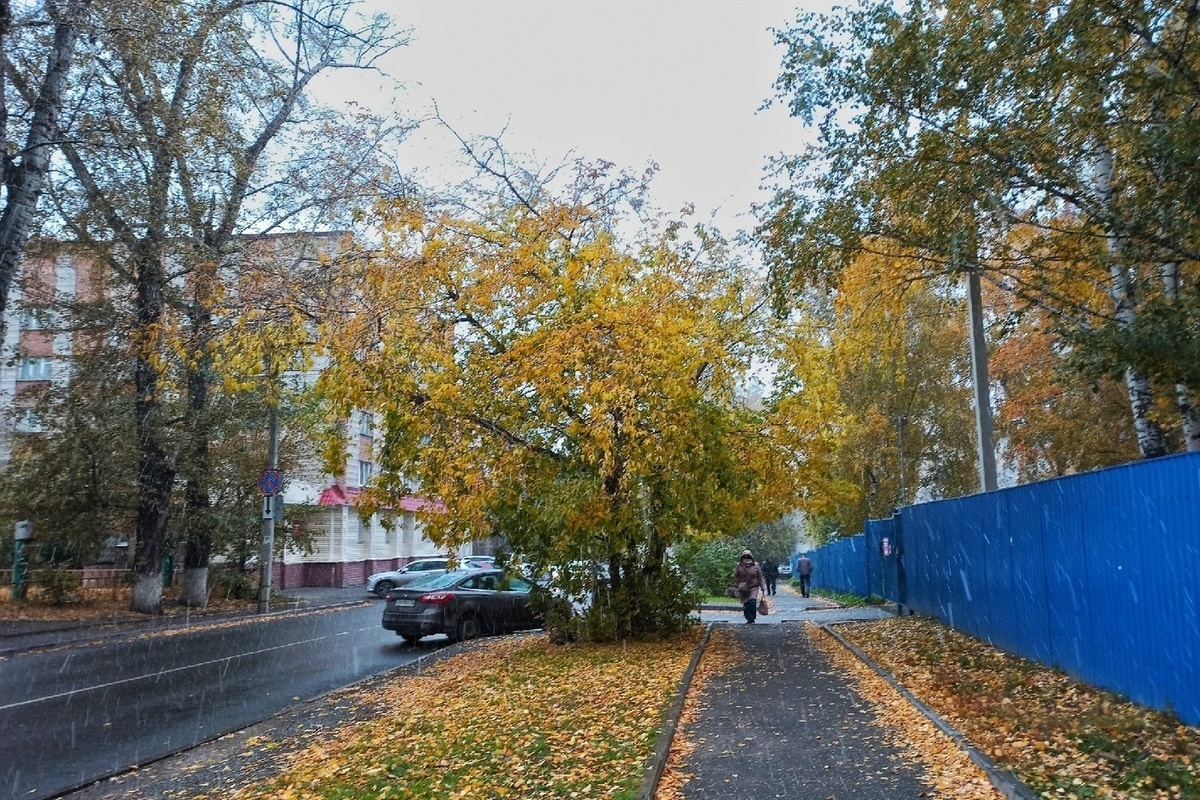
[468, 628]
[410, 638]
[383, 587]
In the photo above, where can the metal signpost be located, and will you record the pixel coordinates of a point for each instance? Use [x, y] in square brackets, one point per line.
[270, 482]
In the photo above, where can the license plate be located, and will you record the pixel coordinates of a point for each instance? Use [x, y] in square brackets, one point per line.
[406, 602]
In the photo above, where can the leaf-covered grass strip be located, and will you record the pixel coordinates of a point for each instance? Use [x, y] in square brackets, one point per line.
[514, 717]
[1062, 738]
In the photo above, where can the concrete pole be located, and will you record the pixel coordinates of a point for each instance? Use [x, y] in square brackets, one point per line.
[979, 372]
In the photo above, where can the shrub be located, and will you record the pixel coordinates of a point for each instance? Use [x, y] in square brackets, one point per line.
[709, 565]
[60, 585]
[232, 584]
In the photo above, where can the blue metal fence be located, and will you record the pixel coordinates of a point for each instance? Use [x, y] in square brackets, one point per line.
[1096, 574]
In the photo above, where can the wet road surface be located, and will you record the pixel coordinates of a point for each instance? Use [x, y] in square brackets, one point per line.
[73, 715]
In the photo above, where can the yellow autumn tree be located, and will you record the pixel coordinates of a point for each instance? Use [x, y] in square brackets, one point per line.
[884, 359]
[555, 369]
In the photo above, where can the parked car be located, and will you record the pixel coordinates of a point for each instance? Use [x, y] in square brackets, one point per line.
[462, 605]
[382, 582]
[785, 569]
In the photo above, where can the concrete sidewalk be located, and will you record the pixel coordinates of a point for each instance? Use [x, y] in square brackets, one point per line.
[787, 606]
[781, 722]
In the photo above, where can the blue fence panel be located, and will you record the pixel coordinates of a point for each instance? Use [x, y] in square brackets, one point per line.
[841, 566]
[1097, 574]
[882, 558]
[1028, 520]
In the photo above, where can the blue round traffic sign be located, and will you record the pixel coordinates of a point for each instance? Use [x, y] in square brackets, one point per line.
[270, 482]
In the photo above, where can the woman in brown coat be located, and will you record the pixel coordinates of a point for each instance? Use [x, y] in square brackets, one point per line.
[748, 579]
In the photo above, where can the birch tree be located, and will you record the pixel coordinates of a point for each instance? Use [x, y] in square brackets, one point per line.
[884, 359]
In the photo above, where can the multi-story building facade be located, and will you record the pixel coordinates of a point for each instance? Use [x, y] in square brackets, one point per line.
[38, 353]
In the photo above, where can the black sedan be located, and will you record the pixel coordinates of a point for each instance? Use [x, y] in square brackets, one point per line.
[462, 605]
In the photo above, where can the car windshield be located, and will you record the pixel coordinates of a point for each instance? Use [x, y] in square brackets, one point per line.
[439, 581]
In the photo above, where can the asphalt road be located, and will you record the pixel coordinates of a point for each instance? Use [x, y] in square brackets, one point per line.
[89, 710]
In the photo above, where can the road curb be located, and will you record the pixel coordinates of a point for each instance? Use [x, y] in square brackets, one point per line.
[666, 736]
[1004, 781]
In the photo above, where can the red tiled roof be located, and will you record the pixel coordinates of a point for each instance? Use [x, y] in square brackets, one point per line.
[337, 495]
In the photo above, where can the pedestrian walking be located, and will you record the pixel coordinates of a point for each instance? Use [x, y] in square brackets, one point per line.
[770, 570]
[748, 578]
[804, 568]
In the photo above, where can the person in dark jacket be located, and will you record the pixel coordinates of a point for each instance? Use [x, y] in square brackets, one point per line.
[770, 571]
[748, 578]
[804, 569]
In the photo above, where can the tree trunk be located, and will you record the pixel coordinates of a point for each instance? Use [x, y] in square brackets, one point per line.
[25, 179]
[193, 591]
[155, 477]
[147, 593]
[193, 587]
[1150, 438]
[156, 472]
[1189, 414]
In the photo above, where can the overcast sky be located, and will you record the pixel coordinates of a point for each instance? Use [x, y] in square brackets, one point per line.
[631, 81]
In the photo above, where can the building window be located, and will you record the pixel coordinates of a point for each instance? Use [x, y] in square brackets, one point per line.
[37, 319]
[28, 421]
[34, 369]
[365, 470]
[366, 424]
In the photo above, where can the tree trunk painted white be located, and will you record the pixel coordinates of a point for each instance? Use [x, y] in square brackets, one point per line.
[147, 593]
[193, 587]
[1150, 438]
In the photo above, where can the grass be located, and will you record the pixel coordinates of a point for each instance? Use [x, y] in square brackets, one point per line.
[841, 598]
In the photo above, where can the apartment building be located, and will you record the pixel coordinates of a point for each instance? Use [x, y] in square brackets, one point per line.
[38, 351]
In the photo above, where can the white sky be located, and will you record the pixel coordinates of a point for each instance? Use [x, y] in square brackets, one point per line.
[678, 83]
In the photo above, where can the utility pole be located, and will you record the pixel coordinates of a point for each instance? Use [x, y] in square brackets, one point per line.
[979, 372]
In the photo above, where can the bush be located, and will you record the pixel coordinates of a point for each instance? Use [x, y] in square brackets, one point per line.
[709, 565]
[646, 604]
[60, 585]
[232, 584]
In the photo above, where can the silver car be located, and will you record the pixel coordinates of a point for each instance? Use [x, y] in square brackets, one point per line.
[382, 582]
